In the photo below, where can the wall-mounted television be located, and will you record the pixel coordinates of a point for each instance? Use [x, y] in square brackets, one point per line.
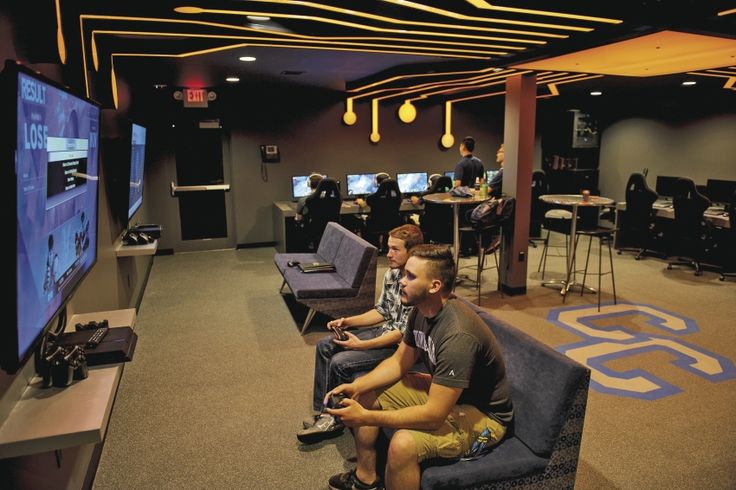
[361, 184]
[50, 147]
[412, 183]
[137, 164]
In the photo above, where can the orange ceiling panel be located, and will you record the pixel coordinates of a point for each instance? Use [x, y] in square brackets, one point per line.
[662, 53]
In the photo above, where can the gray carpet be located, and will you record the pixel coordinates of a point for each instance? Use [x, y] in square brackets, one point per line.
[221, 380]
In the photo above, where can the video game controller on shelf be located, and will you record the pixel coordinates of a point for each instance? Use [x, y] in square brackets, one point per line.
[292, 263]
[335, 400]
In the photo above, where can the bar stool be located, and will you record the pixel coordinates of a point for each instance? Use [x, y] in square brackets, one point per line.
[488, 241]
[601, 234]
[557, 220]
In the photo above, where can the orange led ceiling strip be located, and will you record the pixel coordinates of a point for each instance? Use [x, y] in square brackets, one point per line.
[420, 75]
[355, 25]
[84, 17]
[727, 12]
[482, 4]
[392, 20]
[456, 15]
[729, 74]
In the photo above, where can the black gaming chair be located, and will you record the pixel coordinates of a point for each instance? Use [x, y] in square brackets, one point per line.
[385, 214]
[691, 230]
[638, 224]
[324, 206]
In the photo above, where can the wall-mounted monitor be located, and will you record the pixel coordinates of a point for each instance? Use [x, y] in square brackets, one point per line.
[50, 148]
[361, 184]
[137, 164]
[720, 191]
[666, 185]
[300, 186]
[412, 183]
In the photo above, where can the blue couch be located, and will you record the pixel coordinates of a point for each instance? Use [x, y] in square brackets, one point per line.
[550, 393]
[350, 290]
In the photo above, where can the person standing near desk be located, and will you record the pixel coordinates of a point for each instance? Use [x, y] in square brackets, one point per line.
[469, 168]
[301, 205]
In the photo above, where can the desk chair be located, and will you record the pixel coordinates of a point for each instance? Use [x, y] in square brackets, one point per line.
[728, 262]
[436, 220]
[539, 188]
[691, 229]
[385, 214]
[639, 220]
[324, 206]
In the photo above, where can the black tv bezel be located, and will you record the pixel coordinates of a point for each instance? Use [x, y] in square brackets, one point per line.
[10, 360]
[128, 214]
[347, 185]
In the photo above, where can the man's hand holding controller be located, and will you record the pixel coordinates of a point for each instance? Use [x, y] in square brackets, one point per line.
[337, 327]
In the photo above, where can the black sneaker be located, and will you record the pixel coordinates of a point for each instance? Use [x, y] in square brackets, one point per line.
[325, 427]
[350, 481]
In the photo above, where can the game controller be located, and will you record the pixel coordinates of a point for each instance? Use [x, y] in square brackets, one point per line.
[334, 401]
[292, 263]
[340, 333]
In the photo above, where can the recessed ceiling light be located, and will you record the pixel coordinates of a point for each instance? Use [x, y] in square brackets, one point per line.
[687, 83]
[247, 58]
[596, 93]
[259, 17]
[232, 79]
[159, 86]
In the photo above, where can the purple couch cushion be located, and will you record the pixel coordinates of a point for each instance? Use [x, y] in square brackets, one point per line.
[353, 258]
[330, 242]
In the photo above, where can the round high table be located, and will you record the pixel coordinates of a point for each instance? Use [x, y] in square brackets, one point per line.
[574, 201]
[448, 199]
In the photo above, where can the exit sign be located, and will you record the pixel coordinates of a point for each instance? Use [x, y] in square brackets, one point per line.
[195, 97]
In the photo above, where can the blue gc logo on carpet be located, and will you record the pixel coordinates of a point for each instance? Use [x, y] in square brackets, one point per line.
[605, 340]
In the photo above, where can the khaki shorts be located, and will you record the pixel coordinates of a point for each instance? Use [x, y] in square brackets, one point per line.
[456, 435]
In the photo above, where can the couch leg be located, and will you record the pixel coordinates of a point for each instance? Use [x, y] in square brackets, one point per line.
[281, 289]
[308, 320]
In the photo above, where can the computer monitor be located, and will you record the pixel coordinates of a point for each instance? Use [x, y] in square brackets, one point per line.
[450, 173]
[137, 161]
[490, 174]
[412, 183]
[361, 184]
[300, 186]
[720, 191]
[50, 147]
[666, 185]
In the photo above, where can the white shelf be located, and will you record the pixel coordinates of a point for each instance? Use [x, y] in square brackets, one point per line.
[122, 250]
[46, 419]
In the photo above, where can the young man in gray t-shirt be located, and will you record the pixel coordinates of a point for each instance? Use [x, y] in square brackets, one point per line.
[465, 399]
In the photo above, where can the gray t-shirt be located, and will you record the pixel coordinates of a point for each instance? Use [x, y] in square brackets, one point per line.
[460, 351]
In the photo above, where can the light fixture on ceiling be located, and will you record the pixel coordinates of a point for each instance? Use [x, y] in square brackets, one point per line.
[247, 58]
[232, 79]
[159, 86]
[689, 83]
[596, 93]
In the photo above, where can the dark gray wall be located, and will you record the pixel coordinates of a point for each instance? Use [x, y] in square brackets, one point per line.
[703, 148]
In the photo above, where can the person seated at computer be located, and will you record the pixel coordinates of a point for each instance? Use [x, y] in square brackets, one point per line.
[418, 199]
[301, 205]
[469, 169]
[496, 183]
[380, 177]
[338, 361]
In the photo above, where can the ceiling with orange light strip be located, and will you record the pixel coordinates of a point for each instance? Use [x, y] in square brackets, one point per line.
[345, 46]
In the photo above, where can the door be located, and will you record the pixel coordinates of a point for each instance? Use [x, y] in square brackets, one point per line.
[201, 188]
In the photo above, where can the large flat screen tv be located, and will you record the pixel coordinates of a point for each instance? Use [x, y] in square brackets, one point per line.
[49, 147]
[137, 163]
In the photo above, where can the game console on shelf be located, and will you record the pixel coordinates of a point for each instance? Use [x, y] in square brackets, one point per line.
[142, 234]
